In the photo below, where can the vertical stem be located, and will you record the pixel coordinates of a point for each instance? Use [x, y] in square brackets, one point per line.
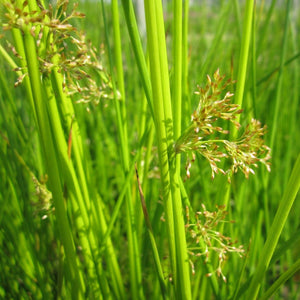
[138, 50]
[186, 105]
[80, 207]
[254, 59]
[183, 273]
[275, 230]
[51, 163]
[170, 170]
[290, 191]
[134, 255]
[280, 76]
[119, 67]
[177, 58]
[159, 120]
[243, 61]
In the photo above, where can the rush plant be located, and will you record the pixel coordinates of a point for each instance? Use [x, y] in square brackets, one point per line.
[110, 163]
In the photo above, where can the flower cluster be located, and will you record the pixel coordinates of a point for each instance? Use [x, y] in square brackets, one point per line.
[249, 149]
[204, 135]
[62, 47]
[203, 239]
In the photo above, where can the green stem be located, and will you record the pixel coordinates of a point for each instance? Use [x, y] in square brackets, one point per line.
[281, 280]
[177, 58]
[276, 229]
[278, 99]
[170, 170]
[134, 255]
[51, 163]
[186, 102]
[183, 268]
[152, 240]
[219, 32]
[243, 60]
[138, 50]
[159, 121]
[80, 209]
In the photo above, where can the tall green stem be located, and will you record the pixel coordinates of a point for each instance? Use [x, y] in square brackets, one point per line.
[276, 229]
[280, 75]
[138, 50]
[134, 256]
[164, 128]
[186, 103]
[51, 162]
[159, 120]
[183, 272]
[244, 54]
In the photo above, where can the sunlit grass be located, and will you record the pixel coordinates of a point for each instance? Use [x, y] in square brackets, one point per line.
[109, 142]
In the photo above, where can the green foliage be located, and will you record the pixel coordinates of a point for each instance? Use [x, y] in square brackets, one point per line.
[89, 108]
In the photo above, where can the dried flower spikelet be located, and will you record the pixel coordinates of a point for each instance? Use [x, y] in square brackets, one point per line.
[203, 238]
[206, 137]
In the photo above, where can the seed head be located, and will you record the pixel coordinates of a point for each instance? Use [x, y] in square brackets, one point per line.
[206, 136]
[203, 238]
[62, 47]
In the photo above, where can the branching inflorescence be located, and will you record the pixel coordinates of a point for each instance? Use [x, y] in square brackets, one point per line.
[243, 153]
[204, 239]
[62, 47]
